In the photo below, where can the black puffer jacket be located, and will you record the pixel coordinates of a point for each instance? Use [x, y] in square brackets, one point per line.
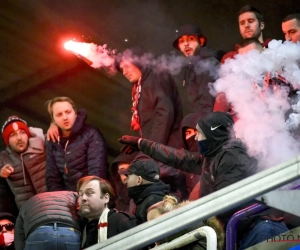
[225, 163]
[83, 153]
[28, 178]
[45, 208]
[201, 70]
[159, 108]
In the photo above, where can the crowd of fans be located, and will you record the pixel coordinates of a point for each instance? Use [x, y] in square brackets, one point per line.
[57, 191]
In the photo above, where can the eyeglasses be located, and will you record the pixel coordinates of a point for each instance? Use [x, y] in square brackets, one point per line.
[9, 226]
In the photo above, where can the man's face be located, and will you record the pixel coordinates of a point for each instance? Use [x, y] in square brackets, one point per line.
[7, 226]
[92, 202]
[200, 135]
[189, 132]
[130, 71]
[252, 46]
[250, 26]
[133, 180]
[18, 141]
[291, 30]
[188, 44]
[122, 166]
[64, 115]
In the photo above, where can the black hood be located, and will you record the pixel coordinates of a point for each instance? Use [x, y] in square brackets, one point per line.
[216, 127]
[189, 121]
[121, 158]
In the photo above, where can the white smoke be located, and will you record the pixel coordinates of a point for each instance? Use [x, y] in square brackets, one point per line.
[261, 111]
[103, 57]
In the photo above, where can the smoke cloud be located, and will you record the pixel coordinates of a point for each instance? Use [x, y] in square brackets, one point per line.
[268, 116]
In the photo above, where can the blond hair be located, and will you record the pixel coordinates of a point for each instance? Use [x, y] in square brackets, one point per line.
[50, 103]
[166, 205]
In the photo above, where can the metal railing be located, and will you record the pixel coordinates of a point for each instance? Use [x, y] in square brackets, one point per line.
[208, 232]
[210, 205]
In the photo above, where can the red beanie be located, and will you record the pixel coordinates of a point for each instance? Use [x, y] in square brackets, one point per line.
[12, 124]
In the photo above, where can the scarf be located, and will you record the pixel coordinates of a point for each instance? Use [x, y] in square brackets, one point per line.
[102, 228]
[136, 92]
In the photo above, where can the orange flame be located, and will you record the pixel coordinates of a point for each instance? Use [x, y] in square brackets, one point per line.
[81, 50]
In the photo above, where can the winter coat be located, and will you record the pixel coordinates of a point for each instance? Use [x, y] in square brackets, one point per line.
[159, 108]
[225, 163]
[28, 178]
[123, 201]
[192, 180]
[152, 194]
[231, 54]
[83, 153]
[118, 222]
[160, 113]
[197, 78]
[45, 208]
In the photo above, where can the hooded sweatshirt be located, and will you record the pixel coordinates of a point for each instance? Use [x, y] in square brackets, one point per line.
[225, 162]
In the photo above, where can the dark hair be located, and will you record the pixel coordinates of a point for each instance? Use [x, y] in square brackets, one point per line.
[105, 188]
[291, 17]
[248, 8]
[248, 41]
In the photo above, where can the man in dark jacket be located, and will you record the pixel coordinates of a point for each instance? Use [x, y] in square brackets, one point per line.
[80, 149]
[189, 133]
[201, 69]
[97, 203]
[144, 186]
[251, 25]
[23, 162]
[222, 160]
[50, 219]
[7, 229]
[156, 104]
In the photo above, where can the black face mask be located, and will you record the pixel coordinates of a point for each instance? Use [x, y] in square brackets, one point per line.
[135, 191]
[203, 147]
[191, 144]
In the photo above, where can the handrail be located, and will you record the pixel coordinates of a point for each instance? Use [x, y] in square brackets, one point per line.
[210, 205]
[235, 219]
[208, 232]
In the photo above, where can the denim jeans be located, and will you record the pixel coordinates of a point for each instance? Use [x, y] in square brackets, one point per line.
[53, 237]
[263, 230]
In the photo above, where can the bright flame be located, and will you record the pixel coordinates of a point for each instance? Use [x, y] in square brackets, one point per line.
[77, 47]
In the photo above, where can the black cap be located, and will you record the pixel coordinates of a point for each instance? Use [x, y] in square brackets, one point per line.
[188, 30]
[147, 169]
[7, 216]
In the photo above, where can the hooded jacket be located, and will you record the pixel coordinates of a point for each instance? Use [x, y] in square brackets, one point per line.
[83, 153]
[225, 163]
[124, 203]
[45, 208]
[159, 108]
[201, 70]
[192, 180]
[28, 178]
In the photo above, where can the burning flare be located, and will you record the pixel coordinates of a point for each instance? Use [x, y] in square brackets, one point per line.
[81, 50]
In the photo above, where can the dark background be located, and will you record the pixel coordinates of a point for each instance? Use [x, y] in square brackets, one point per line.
[34, 67]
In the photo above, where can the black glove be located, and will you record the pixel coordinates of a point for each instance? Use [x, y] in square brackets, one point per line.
[131, 144]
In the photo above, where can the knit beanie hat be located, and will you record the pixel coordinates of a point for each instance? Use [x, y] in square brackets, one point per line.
[12, 124]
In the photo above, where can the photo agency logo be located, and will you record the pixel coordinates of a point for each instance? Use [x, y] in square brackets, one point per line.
[281, 238]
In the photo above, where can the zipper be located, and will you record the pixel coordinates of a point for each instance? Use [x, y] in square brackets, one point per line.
[65, 167]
